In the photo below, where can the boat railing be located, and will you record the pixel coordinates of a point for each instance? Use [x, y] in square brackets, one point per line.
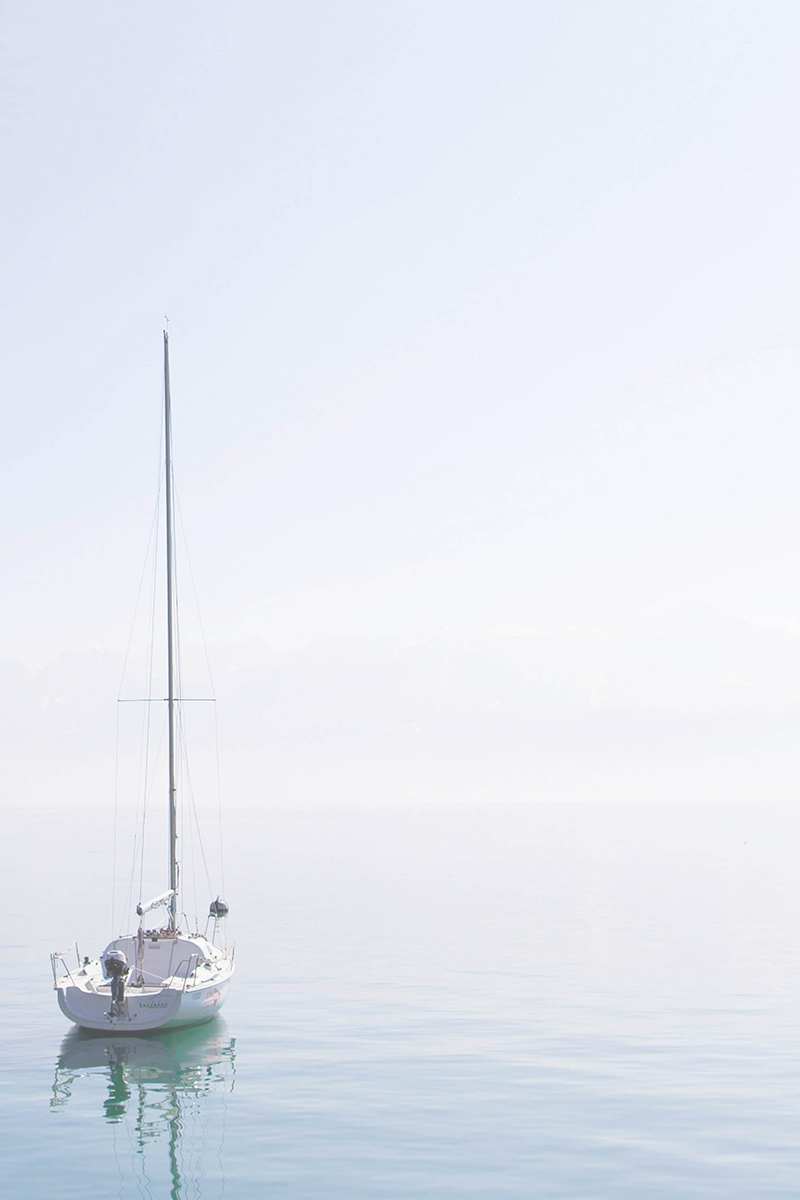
[190, 964]
[58, 956]
[190, 969]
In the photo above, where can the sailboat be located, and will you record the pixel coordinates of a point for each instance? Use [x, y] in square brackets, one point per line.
[158, 978]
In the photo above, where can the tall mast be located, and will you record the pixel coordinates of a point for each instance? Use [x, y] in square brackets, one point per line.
[173, 823]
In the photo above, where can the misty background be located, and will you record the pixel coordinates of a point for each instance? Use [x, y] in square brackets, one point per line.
[483, 328]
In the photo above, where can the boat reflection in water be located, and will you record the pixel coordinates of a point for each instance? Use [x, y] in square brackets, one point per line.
[167, 1089]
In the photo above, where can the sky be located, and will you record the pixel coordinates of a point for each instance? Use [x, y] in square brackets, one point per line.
[483, 327]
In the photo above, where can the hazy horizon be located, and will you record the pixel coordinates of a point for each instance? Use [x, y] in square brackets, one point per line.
[485, 375]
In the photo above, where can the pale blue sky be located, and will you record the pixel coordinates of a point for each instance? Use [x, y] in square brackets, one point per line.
[484, 327]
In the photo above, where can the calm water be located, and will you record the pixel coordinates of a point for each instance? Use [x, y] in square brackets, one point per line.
[579, 1002]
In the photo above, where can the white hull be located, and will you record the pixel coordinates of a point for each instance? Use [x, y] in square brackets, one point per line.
[151, 1008]
[173, 982]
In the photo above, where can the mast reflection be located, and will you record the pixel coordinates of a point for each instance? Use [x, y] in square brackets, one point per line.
[167, 1089]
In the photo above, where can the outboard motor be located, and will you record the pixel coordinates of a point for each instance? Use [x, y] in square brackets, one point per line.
[116, 967]
[218, 909]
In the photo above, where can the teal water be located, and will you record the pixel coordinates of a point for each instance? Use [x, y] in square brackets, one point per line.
[575, 1002]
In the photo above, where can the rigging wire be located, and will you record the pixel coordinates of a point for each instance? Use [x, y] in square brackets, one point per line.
[179, 725]
[146, 718]
[149, 787]
[204, 640]
[114, 835]
[194, 813]
[190, 828]
[152, 547]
